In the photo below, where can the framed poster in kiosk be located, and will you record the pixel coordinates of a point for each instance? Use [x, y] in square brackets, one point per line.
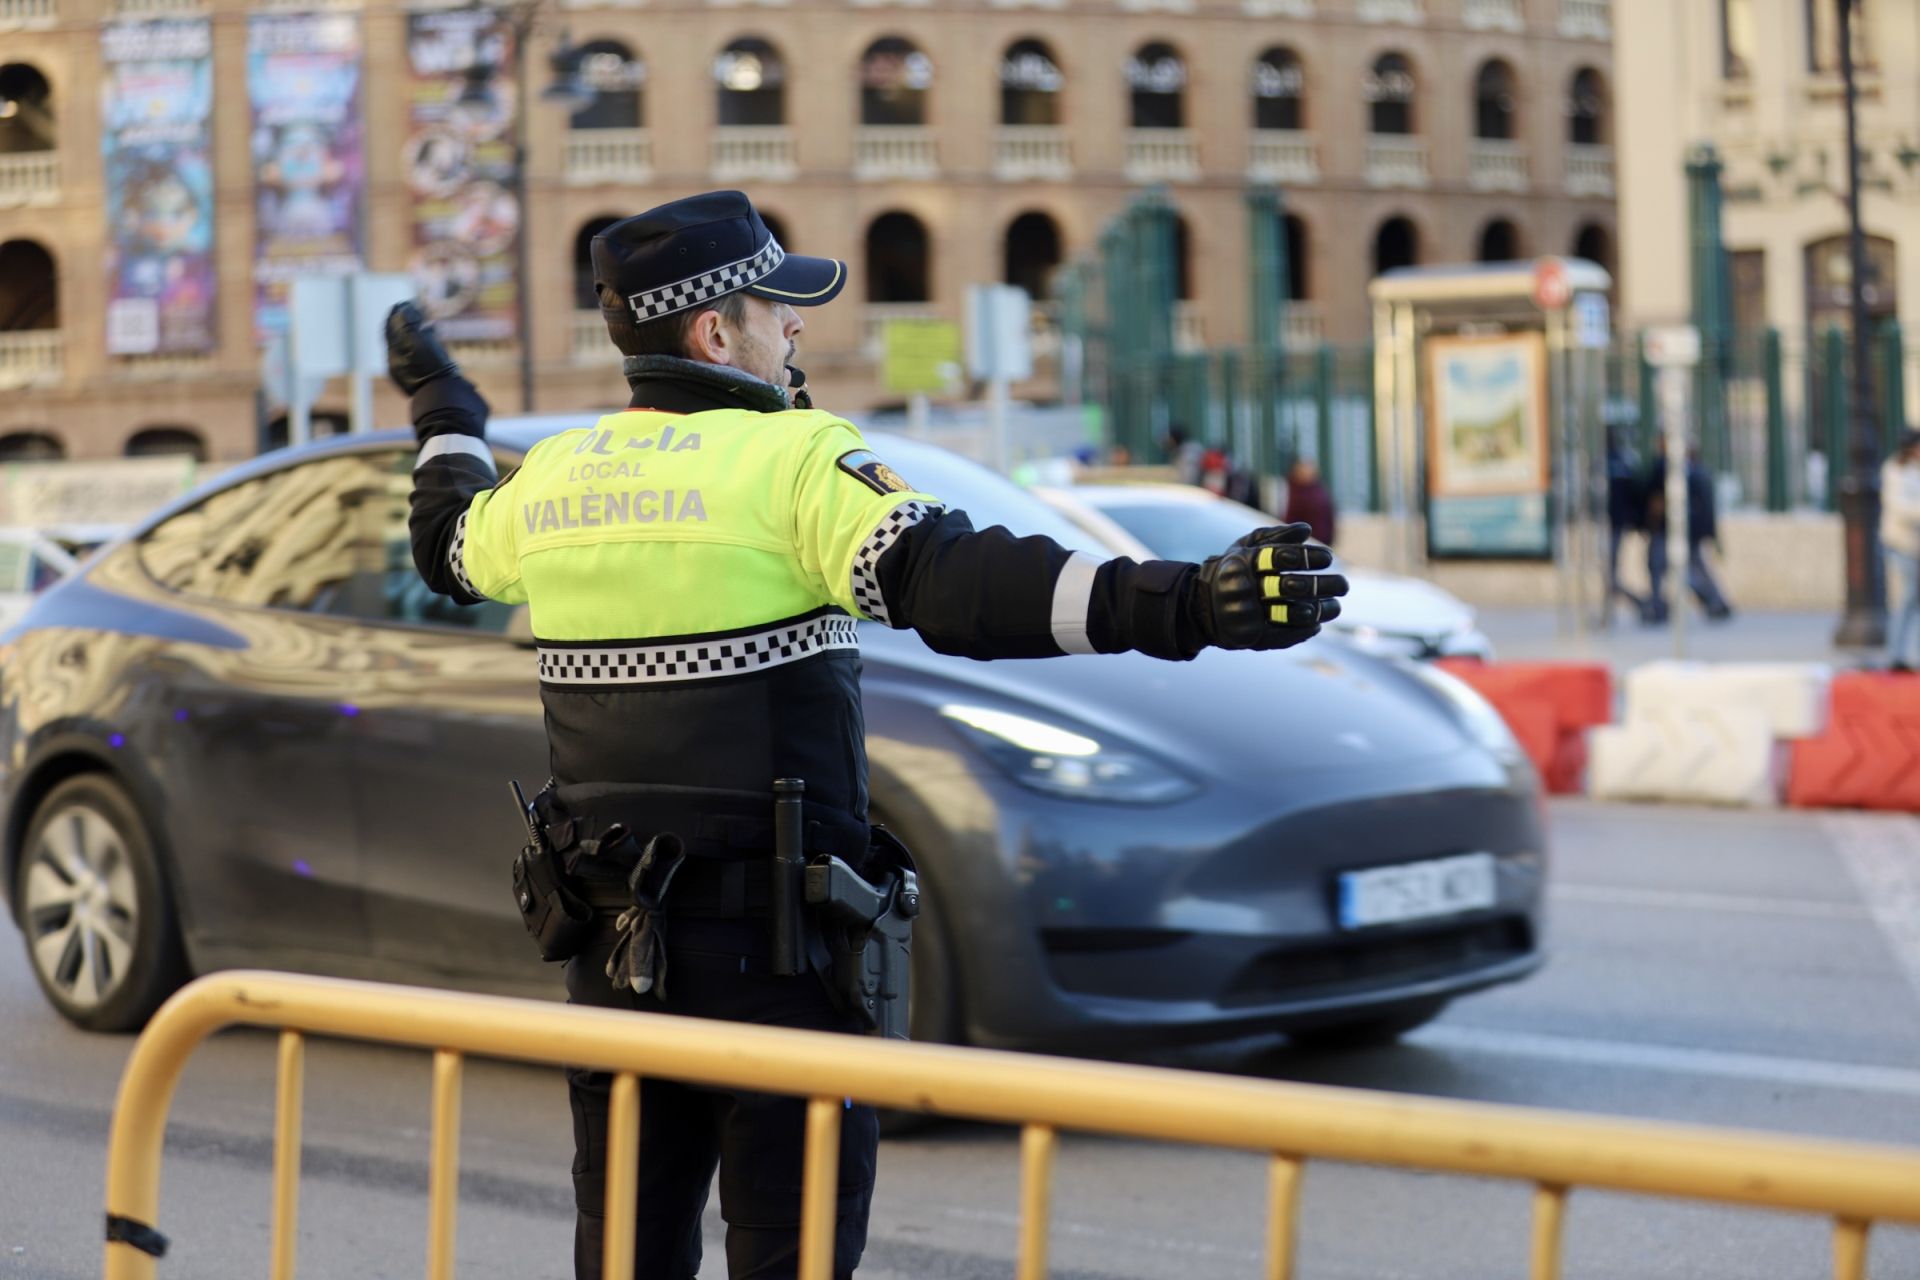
[1489, 473]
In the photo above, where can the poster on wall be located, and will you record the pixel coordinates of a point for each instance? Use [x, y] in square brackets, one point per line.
[155, 140]
[303, 81]
[459, 165]
[1487, 448]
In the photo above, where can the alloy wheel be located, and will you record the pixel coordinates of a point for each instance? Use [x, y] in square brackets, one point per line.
[82, 906]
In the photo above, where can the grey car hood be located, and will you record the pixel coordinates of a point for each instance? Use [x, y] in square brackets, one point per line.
[1321, 706]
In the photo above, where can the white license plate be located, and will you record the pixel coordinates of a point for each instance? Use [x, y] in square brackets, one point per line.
[1416, 890]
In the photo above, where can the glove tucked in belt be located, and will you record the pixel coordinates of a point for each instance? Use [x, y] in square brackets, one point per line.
[639, 959]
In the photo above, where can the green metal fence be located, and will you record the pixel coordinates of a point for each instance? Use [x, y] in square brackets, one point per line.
[1772, 409]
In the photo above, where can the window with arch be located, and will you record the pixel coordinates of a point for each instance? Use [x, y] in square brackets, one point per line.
[1279, 91]
[585, 297]
[1390, 89]
[1030, 84]
[751, 80]
[31, 446]
[1823, 36]
[1157, 86]
[1396, 244]
[1499, 242]
[1495, 101]
[1299, 264]
[29, 287]
[1587, 109]
[894, 79]
[163, 442]
[1594, 243]
[26, 109]
[616, 76]
[898, 259]
[1032, 251]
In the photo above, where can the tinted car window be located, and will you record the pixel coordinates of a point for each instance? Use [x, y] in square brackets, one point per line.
[291, 540]
[327, 536]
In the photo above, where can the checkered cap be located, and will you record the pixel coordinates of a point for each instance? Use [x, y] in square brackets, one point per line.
[651, 304]
[690, 252]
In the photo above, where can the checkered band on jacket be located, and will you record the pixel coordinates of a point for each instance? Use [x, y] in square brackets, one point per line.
[699, 659]
[654, 303]
[866, 561]
[457, 557]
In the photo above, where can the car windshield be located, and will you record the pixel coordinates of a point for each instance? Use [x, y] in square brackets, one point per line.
[987, 498]
[1184, 530]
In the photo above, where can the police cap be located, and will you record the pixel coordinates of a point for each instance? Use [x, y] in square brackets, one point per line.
[689, 252]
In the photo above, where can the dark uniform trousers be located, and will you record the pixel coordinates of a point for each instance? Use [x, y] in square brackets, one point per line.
[716, 968]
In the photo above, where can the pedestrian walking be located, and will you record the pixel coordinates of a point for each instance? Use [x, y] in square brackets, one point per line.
[695, 567]
[1900, 540]
[1308, 500]
[1626, 513]
[1703, 527]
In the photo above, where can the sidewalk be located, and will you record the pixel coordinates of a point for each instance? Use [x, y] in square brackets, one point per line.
[1537, 635]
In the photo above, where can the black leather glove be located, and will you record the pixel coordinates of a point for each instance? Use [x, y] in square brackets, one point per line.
[1267, 591]
[414, 354]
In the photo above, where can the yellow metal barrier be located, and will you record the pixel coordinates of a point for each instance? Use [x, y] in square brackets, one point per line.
[1854, 1184]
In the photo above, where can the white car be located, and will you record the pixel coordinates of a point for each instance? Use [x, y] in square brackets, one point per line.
[1383, 613]
[30, 562]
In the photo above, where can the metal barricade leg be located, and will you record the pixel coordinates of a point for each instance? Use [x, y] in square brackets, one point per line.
[443, 1175]
[1037, 1145]
[623, 1175]
[820, 1188]
[286, 1153]
[1283, 1199]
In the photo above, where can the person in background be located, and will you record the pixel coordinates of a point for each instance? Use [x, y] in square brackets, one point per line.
[1308, 500]
[1184, 453]
[1626, 511]
[1703, 526]
[1900, 540]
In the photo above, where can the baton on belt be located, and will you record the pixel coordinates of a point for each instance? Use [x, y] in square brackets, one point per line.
[789, 872]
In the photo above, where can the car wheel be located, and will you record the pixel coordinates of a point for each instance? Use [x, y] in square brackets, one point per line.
[933, 1006]
[1382, 1027]
[94, 908]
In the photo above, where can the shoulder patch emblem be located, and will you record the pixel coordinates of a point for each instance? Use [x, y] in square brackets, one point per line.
[875, 474]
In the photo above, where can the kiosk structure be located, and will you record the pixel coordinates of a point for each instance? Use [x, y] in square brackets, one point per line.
[1491, 381]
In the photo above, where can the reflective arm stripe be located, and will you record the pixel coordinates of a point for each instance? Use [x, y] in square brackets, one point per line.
[867, 595]
[440, 446]
[1072, 597]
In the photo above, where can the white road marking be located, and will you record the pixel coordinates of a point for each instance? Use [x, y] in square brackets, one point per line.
[1882, 851]
[1717, 1063]
[1744, 904]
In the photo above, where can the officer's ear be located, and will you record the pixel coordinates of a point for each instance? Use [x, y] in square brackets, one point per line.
[708, 338]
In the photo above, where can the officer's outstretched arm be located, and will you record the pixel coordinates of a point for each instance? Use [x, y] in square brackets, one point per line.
[988, 594]
[459, 550]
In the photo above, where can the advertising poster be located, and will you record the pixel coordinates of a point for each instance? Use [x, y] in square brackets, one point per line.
[156, 141]
[303, 80]
[1487, 448]
[459, 165]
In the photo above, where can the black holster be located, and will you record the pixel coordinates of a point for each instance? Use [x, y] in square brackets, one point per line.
[864, 933]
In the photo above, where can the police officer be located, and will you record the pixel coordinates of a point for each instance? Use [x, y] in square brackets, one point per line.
[694, 567]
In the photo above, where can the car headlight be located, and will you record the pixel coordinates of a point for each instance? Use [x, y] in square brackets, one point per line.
[1061, 762]
[1473, 713]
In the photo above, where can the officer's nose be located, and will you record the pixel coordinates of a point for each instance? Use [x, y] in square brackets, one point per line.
[794, 324]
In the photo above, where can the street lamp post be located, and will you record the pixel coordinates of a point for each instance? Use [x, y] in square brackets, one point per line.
[1864, 624]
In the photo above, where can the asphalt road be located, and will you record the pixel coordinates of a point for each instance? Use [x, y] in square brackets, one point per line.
[1760, 970]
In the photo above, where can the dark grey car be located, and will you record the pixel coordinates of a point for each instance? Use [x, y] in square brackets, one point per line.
[247, 734]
